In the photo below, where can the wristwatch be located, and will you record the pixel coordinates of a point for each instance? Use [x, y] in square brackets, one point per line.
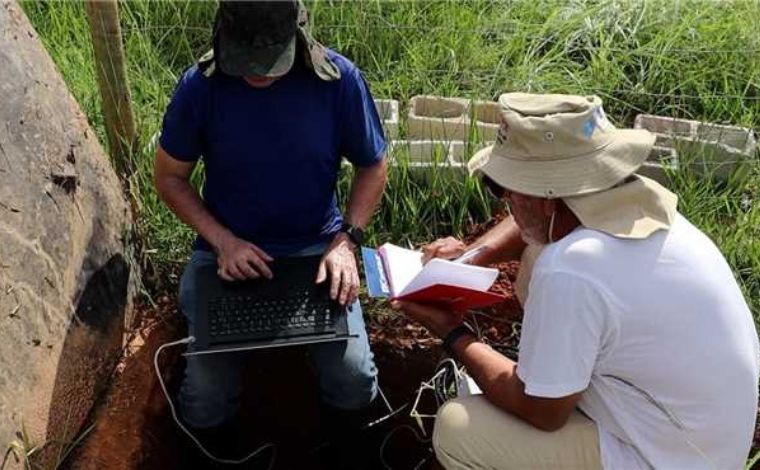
[454, 335]
[355, 234]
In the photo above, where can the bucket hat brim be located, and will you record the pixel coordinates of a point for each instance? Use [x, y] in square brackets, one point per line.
[601, 169]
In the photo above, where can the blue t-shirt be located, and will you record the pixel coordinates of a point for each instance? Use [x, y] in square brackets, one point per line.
[272, 155]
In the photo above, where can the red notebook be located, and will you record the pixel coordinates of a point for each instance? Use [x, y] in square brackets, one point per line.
[457, 286]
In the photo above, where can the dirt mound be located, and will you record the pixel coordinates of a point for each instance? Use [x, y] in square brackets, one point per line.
[127, 421]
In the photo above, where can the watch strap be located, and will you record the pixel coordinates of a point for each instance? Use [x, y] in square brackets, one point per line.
[454, 335]
[354, 233]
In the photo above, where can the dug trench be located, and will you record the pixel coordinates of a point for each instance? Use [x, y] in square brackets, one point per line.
[133, 427]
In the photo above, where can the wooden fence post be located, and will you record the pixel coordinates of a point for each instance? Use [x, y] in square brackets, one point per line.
[103, 16]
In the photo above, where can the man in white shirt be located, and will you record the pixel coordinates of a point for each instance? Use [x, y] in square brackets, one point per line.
[638, 349]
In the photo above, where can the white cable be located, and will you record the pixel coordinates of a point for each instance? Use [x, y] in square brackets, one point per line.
[386, 417]
[391, 411]
[440, 386]
[423, 461]
[189, 340]
[457, 374]
[382, 395]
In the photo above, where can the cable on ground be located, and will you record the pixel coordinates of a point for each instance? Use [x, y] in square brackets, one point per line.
[190, 340]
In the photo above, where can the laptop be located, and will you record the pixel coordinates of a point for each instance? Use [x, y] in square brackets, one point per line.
[289, 309]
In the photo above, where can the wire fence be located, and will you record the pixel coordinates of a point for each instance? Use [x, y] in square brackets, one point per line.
[488, 32]
[753, 92]
[751, 96]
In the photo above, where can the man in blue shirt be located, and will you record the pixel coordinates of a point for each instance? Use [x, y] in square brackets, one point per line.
[271, 112]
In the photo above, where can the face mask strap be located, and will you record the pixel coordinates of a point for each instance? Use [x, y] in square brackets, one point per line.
[551, 226]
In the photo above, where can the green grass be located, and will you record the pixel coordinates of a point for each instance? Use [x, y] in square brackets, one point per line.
[695, 59]
[23, 452]
[20, 451]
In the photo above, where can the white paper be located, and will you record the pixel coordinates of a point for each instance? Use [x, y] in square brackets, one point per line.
[441, 271]
[407, 274]
[402, 265]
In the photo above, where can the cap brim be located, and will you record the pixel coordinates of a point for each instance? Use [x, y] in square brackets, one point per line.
[240, 59]
[583, 174]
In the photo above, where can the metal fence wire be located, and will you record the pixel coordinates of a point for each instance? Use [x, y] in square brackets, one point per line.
[635, 98]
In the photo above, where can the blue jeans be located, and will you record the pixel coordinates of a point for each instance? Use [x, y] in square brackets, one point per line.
[210, 390]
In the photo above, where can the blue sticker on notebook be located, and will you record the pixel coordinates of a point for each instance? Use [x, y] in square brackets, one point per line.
[374, 272]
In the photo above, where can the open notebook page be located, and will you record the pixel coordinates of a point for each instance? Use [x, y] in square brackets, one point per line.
[406, 273]
[402, 266]
[440, 271]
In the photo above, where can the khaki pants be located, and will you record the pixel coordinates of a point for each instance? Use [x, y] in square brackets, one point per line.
[471, 433]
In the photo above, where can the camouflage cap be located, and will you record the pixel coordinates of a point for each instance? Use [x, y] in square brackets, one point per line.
[261, 38]
[256, 38]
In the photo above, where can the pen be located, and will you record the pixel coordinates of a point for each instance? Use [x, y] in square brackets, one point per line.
[468, 255]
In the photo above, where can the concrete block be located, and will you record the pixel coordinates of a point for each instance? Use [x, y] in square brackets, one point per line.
[665, 126]
[713, 159]
[428, 158]
[487, 118]
[739, 138]
[468, 150]
[713, 150]
[427, 151]
[388, 111]
[661, 160]
[438, 118]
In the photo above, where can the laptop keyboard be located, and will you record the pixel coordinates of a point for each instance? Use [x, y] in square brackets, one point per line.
[265, 318]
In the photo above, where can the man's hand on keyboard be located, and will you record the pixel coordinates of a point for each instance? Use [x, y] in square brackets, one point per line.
[339, 262]
[239, 260]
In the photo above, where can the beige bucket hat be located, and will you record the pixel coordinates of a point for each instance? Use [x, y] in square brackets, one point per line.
[563, 146]
[554, 146]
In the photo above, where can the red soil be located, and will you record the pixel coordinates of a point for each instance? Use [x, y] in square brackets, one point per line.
[125, 420]
[510, 308]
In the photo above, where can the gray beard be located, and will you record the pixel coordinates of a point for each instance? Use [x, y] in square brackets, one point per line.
[531, 240]
[546, 235]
